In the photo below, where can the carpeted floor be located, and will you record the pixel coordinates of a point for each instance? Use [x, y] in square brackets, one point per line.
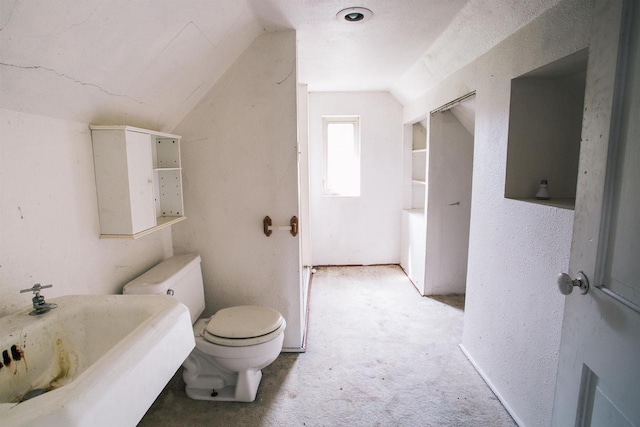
[378, 354]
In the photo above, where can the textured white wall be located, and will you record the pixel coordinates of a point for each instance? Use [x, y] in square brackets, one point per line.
[513, 309]
[239, 157]
[49, 229]
[365, 229]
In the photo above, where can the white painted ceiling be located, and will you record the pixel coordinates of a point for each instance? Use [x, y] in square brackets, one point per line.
[406, 48]
[148, 62]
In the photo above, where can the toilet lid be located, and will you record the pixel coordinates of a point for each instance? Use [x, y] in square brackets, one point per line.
[246, 321]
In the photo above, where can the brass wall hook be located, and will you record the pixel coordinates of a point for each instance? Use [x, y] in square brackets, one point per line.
[266, 224]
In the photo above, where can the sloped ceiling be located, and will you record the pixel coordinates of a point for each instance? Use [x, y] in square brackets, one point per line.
[406, 48]
[478, 27]
[148, 62]
[142, 62]
[362, 56]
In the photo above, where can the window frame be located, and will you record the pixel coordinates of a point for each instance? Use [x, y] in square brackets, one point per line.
[326, 121]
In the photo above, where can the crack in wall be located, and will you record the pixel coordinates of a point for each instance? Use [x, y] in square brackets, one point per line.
[73, 79]
[191, 94]
[227, 31]
[288, 75]
[293, 160]
[166, 46]
[93, 12]
[4, 20]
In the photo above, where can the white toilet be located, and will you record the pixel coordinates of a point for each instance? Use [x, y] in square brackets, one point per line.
[232, 346]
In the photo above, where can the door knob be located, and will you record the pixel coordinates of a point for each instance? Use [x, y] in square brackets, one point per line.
[566, 284]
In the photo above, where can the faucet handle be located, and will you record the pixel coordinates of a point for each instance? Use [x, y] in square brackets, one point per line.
[36, 288]
[39, 304]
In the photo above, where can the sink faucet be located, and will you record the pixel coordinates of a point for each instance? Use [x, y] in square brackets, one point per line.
[39, 304]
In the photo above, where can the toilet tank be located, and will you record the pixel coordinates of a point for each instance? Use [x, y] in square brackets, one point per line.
[179, 275]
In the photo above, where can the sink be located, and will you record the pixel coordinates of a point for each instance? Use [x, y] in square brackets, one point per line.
[98, 360]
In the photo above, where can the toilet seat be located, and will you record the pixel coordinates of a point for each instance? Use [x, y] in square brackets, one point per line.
[243, 326]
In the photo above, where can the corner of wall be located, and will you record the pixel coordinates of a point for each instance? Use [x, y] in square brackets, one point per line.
[240, 164]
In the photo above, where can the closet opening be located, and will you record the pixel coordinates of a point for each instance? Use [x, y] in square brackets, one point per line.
[435, 226]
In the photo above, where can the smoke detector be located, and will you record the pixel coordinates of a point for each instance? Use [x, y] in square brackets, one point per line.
[354, 14]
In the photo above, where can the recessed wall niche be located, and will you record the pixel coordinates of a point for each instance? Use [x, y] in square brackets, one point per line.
[545, 126]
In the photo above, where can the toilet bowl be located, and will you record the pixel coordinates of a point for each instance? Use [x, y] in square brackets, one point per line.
[224, 368]
[232, 346]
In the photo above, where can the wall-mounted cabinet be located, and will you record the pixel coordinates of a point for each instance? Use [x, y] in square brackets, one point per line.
[138, 180]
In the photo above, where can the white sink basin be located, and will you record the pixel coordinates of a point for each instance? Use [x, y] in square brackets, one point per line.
[96, 360]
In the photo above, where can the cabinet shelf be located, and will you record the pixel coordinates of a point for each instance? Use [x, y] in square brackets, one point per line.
[418, 182]
[162, 221]
[419, 151]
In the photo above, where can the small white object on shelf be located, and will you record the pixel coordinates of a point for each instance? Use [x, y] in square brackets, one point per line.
[543, 191]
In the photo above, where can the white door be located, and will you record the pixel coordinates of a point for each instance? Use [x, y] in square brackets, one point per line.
[598, 381]
[140, 169]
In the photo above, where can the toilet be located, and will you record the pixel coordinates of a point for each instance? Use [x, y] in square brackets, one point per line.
[232, 346]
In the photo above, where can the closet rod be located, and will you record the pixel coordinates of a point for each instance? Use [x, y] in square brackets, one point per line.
[450, 105]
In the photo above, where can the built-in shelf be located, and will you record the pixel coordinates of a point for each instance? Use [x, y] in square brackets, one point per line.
[568, 203]
[418, 166]
[545, 125]
[412, 253]
[415, 211]
[162, 222]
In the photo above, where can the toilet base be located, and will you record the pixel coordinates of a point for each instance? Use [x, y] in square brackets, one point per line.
[244, 390]
[231, 374]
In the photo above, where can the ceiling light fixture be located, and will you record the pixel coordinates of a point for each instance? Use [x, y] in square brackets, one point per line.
[354, 14]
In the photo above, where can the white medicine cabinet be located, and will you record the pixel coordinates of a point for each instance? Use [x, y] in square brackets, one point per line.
[138, 180]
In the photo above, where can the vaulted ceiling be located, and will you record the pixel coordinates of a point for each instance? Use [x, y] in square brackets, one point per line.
[148, 62]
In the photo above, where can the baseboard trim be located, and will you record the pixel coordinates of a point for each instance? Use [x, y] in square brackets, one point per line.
[492, 387]
[293, 350]
[303, 347]
[356, 265]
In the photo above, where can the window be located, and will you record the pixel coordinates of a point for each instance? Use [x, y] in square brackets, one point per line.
[341, 144]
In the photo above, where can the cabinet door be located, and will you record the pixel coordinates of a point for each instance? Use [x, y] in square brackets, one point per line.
[140, 170]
